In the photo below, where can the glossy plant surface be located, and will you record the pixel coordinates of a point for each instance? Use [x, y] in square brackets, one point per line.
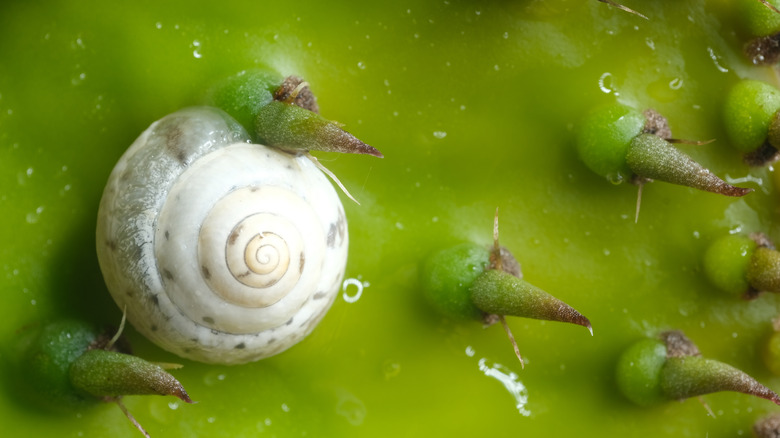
[475, 106]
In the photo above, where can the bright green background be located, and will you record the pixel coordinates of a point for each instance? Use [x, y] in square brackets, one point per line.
[507, 81]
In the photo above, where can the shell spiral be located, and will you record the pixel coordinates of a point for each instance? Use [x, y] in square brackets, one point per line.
[221, 251]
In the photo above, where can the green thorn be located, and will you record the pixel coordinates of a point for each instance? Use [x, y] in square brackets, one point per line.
[104, 373]
[652, 157]
[690, 376]
[497, 292]
[288, 126]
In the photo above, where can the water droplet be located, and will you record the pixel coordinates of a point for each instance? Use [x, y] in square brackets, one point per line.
[615, 178]
[439, 134]
[391, 369]
[506, 35]
[351, 408]
[361, 65]
[196, 49]
[650, 43]
[606, 252]
[399, 225]
[606, 85]
[158, 25]
[511, 382]
[470, 351]
[359, 286]
[173, 405]
[676, 84]
[716, 60]
[285, 408]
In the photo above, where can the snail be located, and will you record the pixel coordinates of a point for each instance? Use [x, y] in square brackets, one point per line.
[751, 115]
[743, 265]
[223, 250]
[670, 367]
[623, 144]
[469, 281]
[69, 364]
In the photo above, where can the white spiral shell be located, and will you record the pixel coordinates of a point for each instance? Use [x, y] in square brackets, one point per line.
[221, 251]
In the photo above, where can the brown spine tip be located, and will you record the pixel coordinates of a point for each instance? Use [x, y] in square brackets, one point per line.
[652, 157]
[346, 142]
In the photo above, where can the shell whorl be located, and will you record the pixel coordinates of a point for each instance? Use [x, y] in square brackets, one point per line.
[234, 254]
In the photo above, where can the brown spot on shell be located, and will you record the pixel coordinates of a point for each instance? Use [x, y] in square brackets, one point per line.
[234, 235]
[174, 146]
[111, 245]
[208, 320]
[332, 232]
[240, 346]
[205, 271]
[319, 295]
[167, 274]
[303, 261]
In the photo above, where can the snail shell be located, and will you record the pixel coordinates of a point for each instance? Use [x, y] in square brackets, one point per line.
[221, 251]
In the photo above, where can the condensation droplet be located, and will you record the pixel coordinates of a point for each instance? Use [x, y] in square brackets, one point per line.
[470, 351]
[391, 368]
[351, 408]
[361, 65]
[615, 178]
[359, 286]
[676, 84]
[605, 84]
[439, 134]
[716, 60]
[196, 49]
[158, 25]
[511, 382]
